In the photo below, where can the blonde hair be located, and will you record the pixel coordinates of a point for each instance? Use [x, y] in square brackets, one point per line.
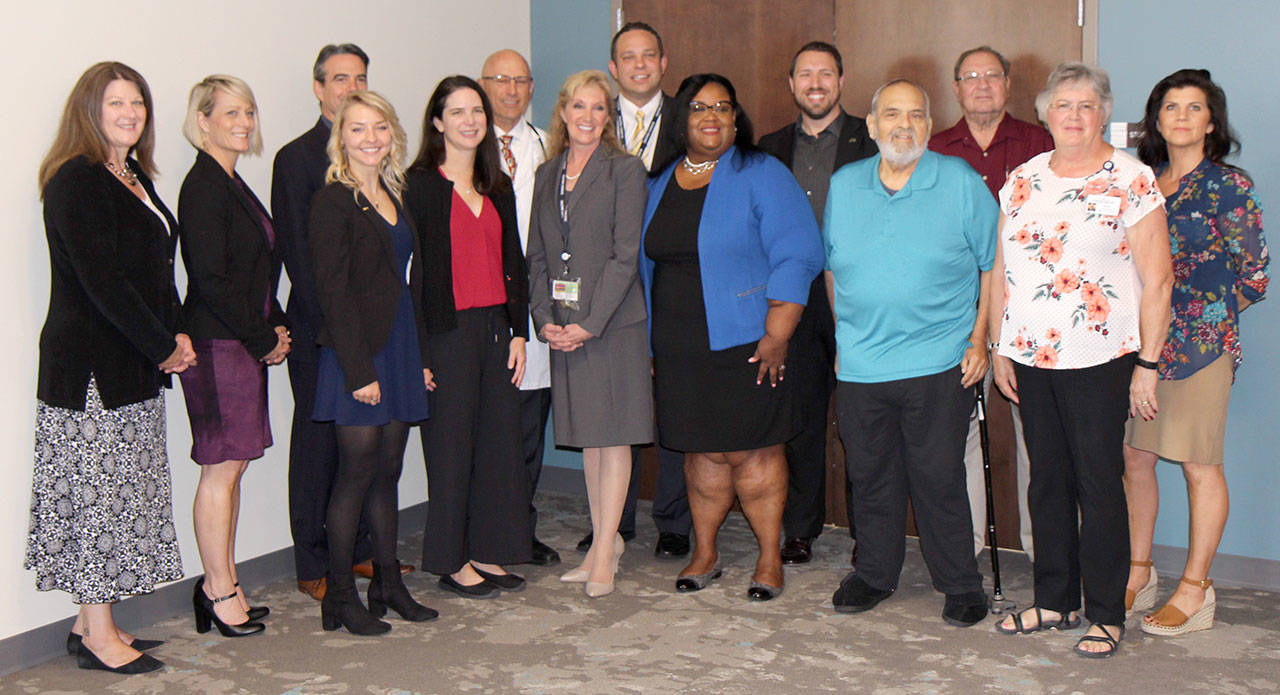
[202, 100]
[391, 170]
[80, 130]
[559, 132]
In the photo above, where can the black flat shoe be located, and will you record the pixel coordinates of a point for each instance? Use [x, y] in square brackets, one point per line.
[484, 589]
[544, 554]
[670, 545]
[506, 582]
[797, 550]
[206, 618]
[856, 596]
[256, 612]
[74, 641]
[965, 610]
[697, 582]
[145, 663]
[759, 591]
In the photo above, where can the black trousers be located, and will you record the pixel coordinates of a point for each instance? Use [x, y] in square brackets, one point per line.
[1074, 421]
[905, 439]
[535, 406]
[313, 466]
[670, 498]
[479, 492]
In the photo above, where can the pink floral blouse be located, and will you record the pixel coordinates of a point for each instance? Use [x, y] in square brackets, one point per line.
[1071, 287]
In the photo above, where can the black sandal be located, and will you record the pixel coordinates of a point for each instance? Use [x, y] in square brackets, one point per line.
[1105, 638]
[1064, 622]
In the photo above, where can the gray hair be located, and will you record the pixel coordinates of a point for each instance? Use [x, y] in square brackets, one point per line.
[341, 49]
[1073, 72]
[875, 98]
[1004, 62]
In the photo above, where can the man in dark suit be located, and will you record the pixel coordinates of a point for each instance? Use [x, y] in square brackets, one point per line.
[646, 129]
[823, 139]
[313, 449]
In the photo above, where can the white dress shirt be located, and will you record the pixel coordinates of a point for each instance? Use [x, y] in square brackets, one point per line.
[652, 110]
[528, 146]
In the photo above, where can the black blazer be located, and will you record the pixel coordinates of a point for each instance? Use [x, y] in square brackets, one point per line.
[666, 149]
[232, 272]
[429, 199]
[358, 280]
[855, 143]
[113, 307]
[298, 172]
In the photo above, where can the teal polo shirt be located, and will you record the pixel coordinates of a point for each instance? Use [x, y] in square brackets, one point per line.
[906, 267]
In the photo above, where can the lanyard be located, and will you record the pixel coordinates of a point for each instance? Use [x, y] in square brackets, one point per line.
[648, 132]
[562, 198]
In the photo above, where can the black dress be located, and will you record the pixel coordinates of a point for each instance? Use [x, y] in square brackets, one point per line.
[708, 400]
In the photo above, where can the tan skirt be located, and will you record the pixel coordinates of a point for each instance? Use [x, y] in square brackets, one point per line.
[1192, 422]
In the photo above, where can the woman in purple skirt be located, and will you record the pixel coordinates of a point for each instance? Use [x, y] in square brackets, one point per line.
[233, 267]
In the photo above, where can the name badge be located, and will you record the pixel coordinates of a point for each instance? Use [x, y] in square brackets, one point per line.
[565, 290]
[1104, 205]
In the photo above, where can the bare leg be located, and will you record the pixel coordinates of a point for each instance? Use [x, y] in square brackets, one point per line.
[612, 477]
[760, 481]
[212, 514]
[710, 484]
[1143, 494]
[231, 536]
[591, 472]
[102, 637]
[1209, 501]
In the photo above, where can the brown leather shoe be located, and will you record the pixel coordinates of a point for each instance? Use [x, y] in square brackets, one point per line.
[405, 569]
[797, 550]
[312, 587]
[365, 569]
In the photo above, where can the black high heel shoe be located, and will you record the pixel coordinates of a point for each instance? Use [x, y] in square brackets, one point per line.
[206, 618]
[256, 612]
[341, 607]
[145, 663]
[388, 590]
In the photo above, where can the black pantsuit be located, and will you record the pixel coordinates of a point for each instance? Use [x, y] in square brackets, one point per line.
[475, 480]
[905, 438]
[1074, 421]
[535, 407]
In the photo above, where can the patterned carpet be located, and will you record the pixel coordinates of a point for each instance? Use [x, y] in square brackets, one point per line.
[646, 638]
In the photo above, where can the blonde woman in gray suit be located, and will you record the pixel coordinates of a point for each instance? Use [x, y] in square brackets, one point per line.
[587, 303]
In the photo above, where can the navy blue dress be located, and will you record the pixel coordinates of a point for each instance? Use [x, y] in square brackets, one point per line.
[398, 364]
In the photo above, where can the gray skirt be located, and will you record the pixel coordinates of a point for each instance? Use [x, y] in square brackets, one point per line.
[101, 514]
[602, 393]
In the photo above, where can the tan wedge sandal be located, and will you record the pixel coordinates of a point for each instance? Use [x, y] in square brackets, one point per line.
[1145, 598]
[1169, 621]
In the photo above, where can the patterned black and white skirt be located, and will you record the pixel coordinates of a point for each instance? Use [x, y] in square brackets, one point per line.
[101, 512]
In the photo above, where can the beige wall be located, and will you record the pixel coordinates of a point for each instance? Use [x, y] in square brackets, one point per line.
[411, 43]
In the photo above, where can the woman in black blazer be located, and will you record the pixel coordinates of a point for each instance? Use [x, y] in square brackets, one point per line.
[101, 517]
[372, 382]
[237, 327]
[475, 298]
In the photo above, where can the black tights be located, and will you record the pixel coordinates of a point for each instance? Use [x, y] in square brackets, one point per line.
[369, 461]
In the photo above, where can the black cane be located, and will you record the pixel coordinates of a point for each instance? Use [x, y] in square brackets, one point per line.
[999, 605]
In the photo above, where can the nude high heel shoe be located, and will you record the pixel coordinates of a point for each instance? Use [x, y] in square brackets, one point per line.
[598, 589]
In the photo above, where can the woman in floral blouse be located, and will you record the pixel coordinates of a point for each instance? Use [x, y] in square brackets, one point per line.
[1086, 282]
[1219, 268]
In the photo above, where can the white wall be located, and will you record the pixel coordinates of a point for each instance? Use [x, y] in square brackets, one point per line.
[411, 44]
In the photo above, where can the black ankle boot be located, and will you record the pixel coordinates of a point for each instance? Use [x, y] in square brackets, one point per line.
[341, 607]
[388, 589]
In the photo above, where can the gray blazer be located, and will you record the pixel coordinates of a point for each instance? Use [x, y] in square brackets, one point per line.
[606, 213]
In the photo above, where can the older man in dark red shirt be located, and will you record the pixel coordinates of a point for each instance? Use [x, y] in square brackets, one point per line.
[994, 143]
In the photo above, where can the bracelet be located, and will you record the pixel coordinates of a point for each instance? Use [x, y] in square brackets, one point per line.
[1146, 364]
[992, 347]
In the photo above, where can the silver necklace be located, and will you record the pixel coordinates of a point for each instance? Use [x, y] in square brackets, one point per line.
[125, 174]
[698, 169]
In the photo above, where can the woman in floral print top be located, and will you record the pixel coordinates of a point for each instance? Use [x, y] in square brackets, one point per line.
[1220, 267]
[1086, 280]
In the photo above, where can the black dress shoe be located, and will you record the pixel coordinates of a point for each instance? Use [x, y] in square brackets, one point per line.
[544, 554]
[142, 645]
[964, 610]
[145, 663]
[797, 550]
[671, 545]
[585, 544]
[856, 596]
[506, 582]
[484, 589]
[256, 613]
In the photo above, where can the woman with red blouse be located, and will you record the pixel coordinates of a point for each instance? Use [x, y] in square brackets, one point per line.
[475, 297]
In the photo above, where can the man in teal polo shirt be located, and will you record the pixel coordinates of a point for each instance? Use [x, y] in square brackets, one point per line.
[910, 239]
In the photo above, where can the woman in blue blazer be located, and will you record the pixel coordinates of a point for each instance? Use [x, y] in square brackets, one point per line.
[730, 250]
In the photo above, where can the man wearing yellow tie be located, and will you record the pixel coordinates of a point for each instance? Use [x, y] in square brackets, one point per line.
[646, 130]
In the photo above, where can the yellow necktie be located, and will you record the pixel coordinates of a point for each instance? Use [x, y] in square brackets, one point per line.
[639, 132]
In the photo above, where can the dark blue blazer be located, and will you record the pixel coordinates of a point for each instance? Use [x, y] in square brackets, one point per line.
[757, 240]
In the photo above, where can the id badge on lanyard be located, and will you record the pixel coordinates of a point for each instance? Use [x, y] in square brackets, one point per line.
[565, 289]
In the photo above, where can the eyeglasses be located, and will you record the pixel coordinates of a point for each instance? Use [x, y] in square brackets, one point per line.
[1084, 108]
[973, 77]
[504, 80]
[722, 108]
